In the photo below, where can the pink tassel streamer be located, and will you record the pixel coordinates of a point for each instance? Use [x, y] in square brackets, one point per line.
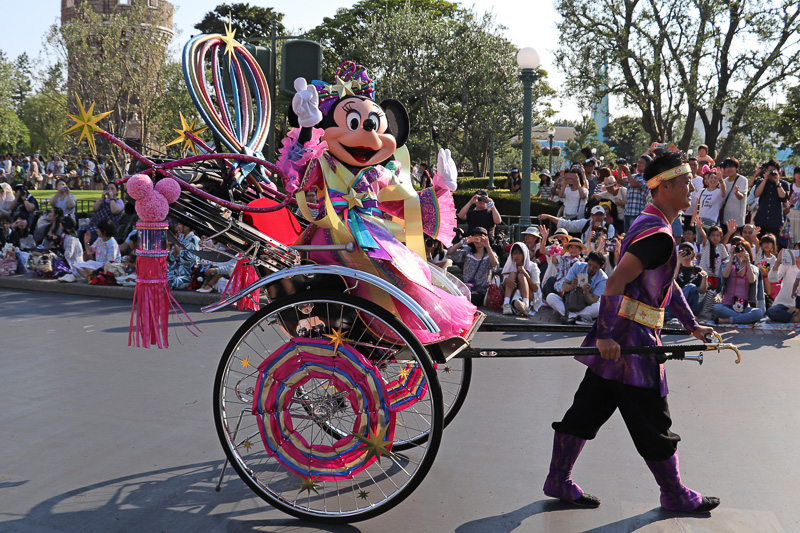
[243, 275]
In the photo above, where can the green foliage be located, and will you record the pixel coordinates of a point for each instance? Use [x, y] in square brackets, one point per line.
[434, 58]
[173, 100]
[13, 132]
[247, 20]
[21, 80]
[586, 135]
[45, 114]
[626, 137]
[507, 202]
[788, 120]
[677, 62]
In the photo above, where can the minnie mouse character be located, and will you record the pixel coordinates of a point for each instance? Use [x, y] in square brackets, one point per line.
[351, 149]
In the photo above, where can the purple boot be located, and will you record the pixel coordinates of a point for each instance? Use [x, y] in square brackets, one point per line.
[674, 495]
[558, 484]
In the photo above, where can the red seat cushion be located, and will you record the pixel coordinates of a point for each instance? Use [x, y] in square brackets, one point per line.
[281, 225]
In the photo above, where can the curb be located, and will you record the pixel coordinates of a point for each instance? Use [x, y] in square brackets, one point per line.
[27, 283]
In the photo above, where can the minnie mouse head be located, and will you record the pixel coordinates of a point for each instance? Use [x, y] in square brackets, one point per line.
[358, 131]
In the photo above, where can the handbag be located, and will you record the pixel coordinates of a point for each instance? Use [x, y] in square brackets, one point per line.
[494, 295]
[575, 300]
[41, 261]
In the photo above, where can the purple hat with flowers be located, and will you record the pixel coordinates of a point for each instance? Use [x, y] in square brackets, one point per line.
[351, 79]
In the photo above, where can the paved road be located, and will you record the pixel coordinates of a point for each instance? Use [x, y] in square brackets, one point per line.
[100, 437]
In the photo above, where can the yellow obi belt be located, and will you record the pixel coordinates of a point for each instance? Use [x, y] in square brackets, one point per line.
[652, 317]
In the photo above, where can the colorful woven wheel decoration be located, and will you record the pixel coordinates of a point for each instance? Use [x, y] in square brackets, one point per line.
[286, 411]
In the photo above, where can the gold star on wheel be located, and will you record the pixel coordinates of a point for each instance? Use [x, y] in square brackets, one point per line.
[185, 139]
[246, 363]
[308, 484]
[404, 372]
[337, 338]
[228, 39]
[447, 369]
[374, 445]
[342, 87]
[247, 444]
[354, 199]
[87, 123]
[363, 494]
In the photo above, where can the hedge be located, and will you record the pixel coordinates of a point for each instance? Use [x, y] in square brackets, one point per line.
[507, 202]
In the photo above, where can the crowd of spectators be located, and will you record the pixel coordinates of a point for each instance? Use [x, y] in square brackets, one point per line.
[738, 243]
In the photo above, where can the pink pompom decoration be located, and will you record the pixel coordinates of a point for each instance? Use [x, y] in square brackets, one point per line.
[153, 207]
[139, 186]
[169, 188]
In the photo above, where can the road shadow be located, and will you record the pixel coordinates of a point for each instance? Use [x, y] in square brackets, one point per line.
[181, 498]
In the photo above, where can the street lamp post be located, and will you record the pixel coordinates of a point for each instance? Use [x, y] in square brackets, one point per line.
[491, 161]
[550, 162]
[528, 61]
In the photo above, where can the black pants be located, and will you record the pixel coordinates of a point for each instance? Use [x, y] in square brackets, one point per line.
[645, 412]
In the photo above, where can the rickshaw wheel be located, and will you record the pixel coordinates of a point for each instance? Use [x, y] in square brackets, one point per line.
[310, 398]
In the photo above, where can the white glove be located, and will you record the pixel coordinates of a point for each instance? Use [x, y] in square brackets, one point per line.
[306, 104]
[446, 168]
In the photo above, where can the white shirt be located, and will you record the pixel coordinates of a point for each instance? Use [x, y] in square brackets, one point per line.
[697, 183]
[735, 208]
[710, 204]
[787, 273]
[622, 195]
[572, 201]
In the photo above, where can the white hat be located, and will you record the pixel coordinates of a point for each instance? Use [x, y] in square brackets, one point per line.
[532, 230]
[599, 209]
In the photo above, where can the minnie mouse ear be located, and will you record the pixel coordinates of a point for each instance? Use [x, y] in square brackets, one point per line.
[397, 117]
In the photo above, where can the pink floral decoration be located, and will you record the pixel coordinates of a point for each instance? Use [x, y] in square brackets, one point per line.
[139, 186]
[153, 207]
[169, 188]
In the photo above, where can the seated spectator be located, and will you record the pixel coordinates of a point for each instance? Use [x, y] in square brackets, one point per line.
[103, 250]
[564, 259]
[107, 207]
[739, 293]
[690, 236]
[714, 252]
[485, 214]
[7, 199]
[215, 272]
[691, 279]
[479, 261]
[70, 246]
[127, 222]
[558, 242]
[181, 260]
[514, 180]
[589, 229]
[582, 288]
[311, 198]
[20, 227]
[7, 233]
[47, 231]
[25, 205]
[532, 237]
[521, 282]
[64, 199]
[784, 308]
[436, 254]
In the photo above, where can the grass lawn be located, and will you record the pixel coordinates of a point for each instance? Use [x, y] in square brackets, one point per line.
[79, 195]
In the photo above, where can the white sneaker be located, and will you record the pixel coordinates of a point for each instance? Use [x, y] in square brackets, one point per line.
[584, 321]
[521, 307]
[68, 278]
[507, 309]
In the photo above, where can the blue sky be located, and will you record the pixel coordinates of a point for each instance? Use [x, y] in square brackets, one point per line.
[529, 23]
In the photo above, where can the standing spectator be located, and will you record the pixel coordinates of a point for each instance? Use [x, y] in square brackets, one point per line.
[479, 260]
[784, 308]
[424, 176]
[60, 169]
[521, 282]
[735, 205]
[485, 214]
[638, 193]
[89, 174]
[793, 230]
[590, 281]
[709, 201]
[64, 199]
[514, 180]
[35, 173]
[8, 166]
[739, 293]
[107, 207]
[773, 194]
[703, 157]
[573, 193]
[589, 170]
[764, 259]
[545, 191]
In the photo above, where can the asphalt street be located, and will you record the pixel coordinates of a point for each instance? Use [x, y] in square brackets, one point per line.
[100, 437]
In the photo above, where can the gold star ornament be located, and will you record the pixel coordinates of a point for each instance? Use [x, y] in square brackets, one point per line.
[354, 199]
[229, 39]
[342, 87]
[308, 484]
[86, 123]
[375, 445]
[337, 338]
[246, 363]
[363, 494]
[185, 139]
[247, 444]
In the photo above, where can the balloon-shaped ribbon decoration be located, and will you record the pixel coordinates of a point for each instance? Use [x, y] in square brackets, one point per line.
[240, 120]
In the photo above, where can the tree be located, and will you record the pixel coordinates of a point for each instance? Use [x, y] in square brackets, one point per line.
[680, 60]
[13, 132]
[45, 113]
[626, 137]
[247, 20]
[21, 80]
[586, 136]
[436, 66]
[788, 120]
[173, 101]
[116, 61]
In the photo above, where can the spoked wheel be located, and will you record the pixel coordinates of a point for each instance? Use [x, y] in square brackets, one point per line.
[314, 398]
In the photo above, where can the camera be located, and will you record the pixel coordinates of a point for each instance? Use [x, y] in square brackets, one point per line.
[738, 249]
[483, 198]
[622, 161]
[772, 173]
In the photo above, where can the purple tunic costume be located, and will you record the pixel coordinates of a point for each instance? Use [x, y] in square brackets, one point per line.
[651, 287]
